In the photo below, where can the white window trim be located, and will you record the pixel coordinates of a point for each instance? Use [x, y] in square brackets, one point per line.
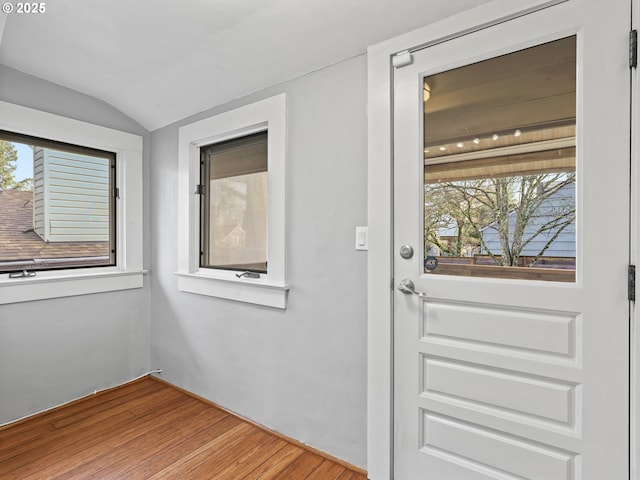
[128, 271]
[270, 289]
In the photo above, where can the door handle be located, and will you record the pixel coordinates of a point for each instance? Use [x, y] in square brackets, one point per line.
[407, 287]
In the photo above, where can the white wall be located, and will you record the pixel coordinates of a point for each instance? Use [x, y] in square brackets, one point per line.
[54, 351]
[301, 371]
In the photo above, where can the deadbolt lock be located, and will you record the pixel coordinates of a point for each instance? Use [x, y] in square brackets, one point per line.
[406, 251]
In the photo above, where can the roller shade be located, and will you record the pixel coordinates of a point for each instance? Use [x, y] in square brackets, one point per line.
[237, 157]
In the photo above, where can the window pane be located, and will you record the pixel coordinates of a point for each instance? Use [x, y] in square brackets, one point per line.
[234, 207]
[499, 166]
[56, 204]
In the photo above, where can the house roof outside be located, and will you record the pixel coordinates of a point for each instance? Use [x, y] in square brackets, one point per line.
[21, 247]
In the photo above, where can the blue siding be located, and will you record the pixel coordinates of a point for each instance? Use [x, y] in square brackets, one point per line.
[74, 192]
[563, 246]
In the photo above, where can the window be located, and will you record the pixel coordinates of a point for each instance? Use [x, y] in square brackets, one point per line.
[71, 222]
[62, 215]
[231, 233]
[233, 209]
[500, 166]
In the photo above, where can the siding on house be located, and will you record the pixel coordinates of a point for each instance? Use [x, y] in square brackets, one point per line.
[38, 191]
[71, 196]
[563, 246]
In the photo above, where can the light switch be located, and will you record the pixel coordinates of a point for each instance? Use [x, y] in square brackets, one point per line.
[362, 238]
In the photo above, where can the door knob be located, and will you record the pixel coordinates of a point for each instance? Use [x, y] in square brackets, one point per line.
[407, 287]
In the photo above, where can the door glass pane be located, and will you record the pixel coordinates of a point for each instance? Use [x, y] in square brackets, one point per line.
[499, 166]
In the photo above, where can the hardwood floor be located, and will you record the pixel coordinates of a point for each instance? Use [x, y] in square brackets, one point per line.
[147, 430]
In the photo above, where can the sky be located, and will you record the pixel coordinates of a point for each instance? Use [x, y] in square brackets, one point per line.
[24, 163]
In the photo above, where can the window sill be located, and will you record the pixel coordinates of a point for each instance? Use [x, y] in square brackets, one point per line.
[256, 291]
[66, 284]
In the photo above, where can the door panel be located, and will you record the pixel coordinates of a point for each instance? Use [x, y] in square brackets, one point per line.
[503, 375]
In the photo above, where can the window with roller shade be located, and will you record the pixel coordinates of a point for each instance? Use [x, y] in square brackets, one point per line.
[233, 205]
[232, 190]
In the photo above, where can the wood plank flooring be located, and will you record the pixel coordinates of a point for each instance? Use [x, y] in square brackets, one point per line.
[147, 430]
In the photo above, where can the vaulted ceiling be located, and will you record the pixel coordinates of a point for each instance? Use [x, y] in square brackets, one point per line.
[159, 61]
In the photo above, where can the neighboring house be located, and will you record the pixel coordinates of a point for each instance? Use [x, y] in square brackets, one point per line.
[22, 247]
[71, 195]
[448, 236]
[563, 246]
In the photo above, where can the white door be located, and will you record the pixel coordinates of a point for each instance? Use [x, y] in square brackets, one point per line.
[511, 154]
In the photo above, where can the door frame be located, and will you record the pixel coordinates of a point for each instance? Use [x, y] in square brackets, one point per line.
[380, 422]
[634, 255]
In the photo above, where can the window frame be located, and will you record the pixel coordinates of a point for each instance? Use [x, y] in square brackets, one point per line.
[128, 148]
[52, 145]
[205, 206]
[270, 289]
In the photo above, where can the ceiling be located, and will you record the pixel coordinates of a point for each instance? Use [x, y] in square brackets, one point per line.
[159, 61]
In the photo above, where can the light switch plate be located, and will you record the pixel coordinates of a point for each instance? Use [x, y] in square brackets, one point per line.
[362, 238]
